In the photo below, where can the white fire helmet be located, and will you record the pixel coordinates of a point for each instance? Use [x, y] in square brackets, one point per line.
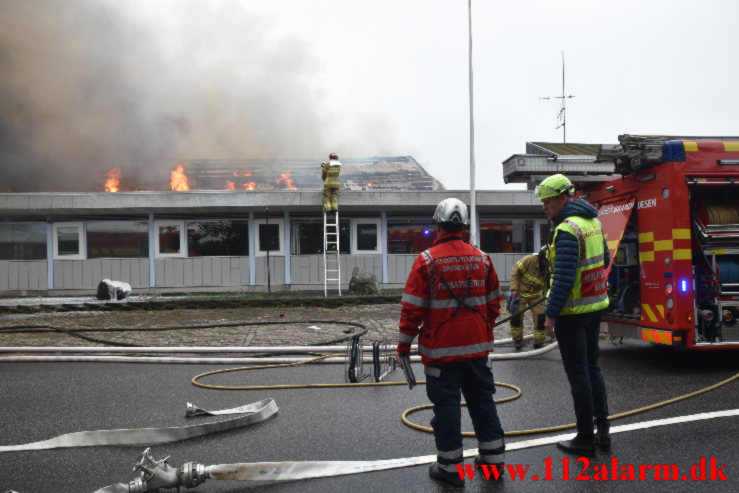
[452, 211]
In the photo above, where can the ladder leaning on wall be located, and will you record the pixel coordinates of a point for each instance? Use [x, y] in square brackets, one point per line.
[331, 260]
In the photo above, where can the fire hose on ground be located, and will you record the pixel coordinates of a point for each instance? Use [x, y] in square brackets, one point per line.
[157, 474]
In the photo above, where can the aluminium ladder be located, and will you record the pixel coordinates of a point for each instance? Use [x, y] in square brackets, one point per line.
[331, 261]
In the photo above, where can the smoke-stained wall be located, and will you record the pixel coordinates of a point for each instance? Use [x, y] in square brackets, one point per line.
[88, 85]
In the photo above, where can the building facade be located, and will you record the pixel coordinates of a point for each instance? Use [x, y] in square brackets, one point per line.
[57, 243]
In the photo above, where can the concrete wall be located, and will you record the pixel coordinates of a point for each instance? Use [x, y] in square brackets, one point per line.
[399, 266]
[308, 269]
[86, 274]
[201, 271]
[23, 274]
[193, 272]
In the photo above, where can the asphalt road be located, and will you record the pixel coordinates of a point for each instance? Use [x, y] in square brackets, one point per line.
[43, 400]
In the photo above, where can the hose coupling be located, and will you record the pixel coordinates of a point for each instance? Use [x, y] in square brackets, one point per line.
[157, 474]
[192, 474]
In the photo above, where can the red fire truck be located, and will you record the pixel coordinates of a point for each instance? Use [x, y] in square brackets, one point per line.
[671, 220]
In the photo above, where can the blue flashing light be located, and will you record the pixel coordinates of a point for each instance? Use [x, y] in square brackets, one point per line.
[683, 285]
[426, 232]
[673, 150]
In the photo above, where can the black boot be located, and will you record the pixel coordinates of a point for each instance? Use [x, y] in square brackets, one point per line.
[582, 445]
[603, 436]
[518, 344]
[437, 472]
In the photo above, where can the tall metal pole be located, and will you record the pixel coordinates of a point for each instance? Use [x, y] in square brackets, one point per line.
[562, 115]
[473, 194]
[564, 109]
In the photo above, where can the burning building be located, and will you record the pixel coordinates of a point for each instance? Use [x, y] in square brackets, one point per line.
[217, 235]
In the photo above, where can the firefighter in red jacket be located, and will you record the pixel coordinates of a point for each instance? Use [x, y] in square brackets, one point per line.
[450, 301]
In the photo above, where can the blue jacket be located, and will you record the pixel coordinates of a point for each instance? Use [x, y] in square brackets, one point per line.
[566, 250]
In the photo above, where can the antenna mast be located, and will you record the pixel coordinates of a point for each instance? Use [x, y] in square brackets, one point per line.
[562, 116]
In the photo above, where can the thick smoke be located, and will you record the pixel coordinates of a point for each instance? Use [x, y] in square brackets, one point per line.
[88, 85]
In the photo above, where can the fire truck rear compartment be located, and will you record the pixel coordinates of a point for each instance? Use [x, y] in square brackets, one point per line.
[715, 215]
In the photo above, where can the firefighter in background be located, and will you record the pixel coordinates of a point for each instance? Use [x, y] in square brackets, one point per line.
[451, 300]
[527, 283]
[330, 174]
[578, 256]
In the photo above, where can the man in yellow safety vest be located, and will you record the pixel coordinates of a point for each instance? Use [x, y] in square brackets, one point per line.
[578, 256]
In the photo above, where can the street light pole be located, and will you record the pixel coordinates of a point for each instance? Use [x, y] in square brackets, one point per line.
[473, 194]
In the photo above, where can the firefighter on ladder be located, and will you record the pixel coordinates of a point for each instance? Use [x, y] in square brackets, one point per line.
[330, 173]
[527, 281]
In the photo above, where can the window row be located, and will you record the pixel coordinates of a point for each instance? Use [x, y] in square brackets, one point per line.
[230, 237]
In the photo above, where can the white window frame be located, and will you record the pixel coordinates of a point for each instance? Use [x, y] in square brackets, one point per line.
[281, 240]
[183, 239]
[354, 236]
[81, 254]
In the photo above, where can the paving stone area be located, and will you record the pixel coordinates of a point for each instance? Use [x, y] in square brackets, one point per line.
[253, 326]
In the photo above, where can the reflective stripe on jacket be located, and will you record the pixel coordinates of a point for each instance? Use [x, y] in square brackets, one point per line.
[589, 292]
[451, 300]
[526, 278]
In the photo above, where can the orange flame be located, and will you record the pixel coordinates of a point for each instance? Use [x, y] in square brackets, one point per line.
[178, 180]
[230, 185]
[113, 181]
[250, 186]
[287, 180]
[369, 184]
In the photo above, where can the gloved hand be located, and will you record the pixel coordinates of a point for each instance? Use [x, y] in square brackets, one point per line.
[512, 306]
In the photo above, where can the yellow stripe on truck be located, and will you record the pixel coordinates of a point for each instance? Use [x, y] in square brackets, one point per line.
[731, 146]
[683, 254]
[680, 234]
[648, 310]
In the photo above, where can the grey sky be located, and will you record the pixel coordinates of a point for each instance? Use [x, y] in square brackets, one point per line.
[296, 78]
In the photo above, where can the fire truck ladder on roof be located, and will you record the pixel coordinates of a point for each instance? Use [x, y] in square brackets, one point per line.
[331, 260]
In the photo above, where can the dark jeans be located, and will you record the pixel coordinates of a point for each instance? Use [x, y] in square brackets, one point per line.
[578, 343]
[475, 380]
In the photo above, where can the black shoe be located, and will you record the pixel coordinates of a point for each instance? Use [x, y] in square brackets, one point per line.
[438, 473]
[519, 345]
[539, 345]
[581, 445]
[479, 462]
[603, 436]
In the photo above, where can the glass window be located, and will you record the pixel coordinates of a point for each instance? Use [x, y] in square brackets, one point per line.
[169, 238]
[68, 241]
[217, 238]
[118, 239]
[544, 233]
[23, 241]
[307, 236]
[366, 236]
[410, 235]
[507, 236]
[269, 237]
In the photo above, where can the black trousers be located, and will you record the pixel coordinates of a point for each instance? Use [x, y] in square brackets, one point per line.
[474, 379]
[578, 344]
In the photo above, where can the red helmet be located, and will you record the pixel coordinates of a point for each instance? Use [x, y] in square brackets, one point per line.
[333, 156]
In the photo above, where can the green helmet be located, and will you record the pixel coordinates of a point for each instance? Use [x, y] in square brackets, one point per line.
[554, 185]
